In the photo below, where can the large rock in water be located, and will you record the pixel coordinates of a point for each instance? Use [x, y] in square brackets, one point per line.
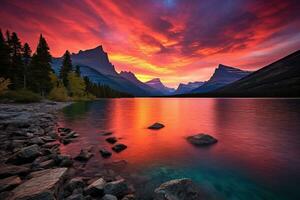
[178, 189]
[202, 139]
[156, 126]
[45, 185]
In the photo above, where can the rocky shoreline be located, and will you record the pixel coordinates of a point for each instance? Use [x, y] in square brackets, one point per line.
[32, 166]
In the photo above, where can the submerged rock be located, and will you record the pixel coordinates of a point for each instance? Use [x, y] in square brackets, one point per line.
[107, 133]
[119, 147]
[202, 139]
[46, 184]
[104, 153]
[156, 126]
[183, 189]
[111, 140]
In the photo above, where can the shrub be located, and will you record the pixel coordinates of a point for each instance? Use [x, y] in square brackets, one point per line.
[4, 83]
[21, 96]
[59, 94]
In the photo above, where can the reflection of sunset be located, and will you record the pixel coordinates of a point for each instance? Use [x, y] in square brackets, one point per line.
[180, 41]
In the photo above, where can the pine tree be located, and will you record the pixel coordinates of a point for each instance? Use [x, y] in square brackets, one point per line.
[16, 67]
[66, 68]
[4, 57]
[26, 54]
[40, 68]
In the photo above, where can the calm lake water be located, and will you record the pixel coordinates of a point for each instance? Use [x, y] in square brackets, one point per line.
[257, 156]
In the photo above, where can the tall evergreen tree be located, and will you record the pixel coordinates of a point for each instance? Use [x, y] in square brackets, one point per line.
[16, 67]
[26, 54]
[4, 57]
[40, 80]
[66, 68]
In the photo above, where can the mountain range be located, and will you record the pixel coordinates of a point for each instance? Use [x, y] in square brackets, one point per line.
[158, 85]
[280, 77]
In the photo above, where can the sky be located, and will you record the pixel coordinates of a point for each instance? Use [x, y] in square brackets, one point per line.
[176, 40]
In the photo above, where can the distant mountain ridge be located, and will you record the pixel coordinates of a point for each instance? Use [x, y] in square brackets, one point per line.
[186, 88]
[131, 77]
[222, 76]
[158, 85]
[280, 78]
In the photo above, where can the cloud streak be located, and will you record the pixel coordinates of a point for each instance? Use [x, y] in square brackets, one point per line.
[177, 40]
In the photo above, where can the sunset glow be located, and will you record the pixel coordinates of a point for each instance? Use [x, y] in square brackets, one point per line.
[176, 40]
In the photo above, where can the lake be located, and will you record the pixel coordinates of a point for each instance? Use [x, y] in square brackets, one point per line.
[257, 156]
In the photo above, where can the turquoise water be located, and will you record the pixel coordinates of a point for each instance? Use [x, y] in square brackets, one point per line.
[257, 156]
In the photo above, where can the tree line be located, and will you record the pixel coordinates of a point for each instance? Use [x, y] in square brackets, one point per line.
[33, 72]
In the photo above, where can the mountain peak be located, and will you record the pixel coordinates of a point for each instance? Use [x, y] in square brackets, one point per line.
[157, 84]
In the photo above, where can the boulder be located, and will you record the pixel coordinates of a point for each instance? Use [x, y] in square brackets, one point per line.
[64, 160]
[104, 153]
[96, 188]
[119, 147]
[109, 197]
[74, 183]
[183, 189]
[111, 140]
[11, 170]
[156, 126]
[117, 188]
[47, 164]
[202, 139]
[84, 155]
[25, 155]
[9, 183]
[46, 184]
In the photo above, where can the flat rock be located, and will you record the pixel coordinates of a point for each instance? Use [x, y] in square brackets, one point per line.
[178, 189]
[11, 170]
[96, 188]
[46, 184]
[156, 126]
[119, 147]
[111, 140]
[105, 153]
[117, 188]
[9, 183]
[202, 139]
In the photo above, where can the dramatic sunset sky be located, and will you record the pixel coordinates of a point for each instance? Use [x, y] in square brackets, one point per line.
[176, 40]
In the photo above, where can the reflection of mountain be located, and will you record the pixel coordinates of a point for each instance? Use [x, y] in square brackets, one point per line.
[158, 85]
[95, 64]
[281, 78]
[222, 76]
[186, 88]
[132, 78]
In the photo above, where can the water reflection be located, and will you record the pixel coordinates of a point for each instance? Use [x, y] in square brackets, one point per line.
[257, 153]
